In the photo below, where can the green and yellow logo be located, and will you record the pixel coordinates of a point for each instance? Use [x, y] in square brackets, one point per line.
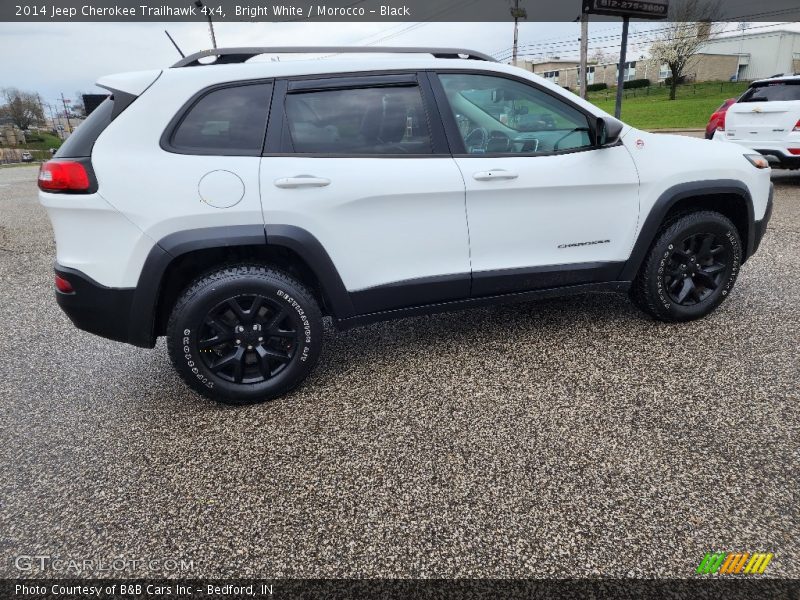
[734, 563]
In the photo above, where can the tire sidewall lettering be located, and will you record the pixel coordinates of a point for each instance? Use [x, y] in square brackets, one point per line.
[306, 324]
[191, 362]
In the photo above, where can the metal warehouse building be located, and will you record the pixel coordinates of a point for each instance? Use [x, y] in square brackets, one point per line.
[761, 53]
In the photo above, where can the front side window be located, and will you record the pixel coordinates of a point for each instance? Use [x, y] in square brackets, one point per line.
[499, 115]
[230, 120]
[379, 120]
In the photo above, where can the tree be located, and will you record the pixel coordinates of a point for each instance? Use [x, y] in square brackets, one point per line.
[691, 26]
[600, 57]
[23, 108]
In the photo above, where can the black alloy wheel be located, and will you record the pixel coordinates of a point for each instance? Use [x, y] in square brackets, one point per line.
[691, 267]
[696, 268]
[245, 334]
[247, 339]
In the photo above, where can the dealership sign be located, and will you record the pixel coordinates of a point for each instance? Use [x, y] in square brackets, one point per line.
[634, 9]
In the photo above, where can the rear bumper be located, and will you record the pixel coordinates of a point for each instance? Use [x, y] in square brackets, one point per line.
[760, 227]
[95, 308]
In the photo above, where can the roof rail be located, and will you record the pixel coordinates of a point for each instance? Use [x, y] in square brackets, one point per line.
[240, 55]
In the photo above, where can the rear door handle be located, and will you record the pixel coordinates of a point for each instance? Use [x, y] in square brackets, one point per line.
[302, 181]
[494, 174]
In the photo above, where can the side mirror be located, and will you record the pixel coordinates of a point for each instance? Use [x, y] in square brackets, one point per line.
[607, 132]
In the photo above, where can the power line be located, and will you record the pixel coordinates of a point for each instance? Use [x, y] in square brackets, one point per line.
[570, 46]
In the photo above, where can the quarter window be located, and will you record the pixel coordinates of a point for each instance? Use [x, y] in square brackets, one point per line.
[496, 115]
[229, 120]
[379, 120]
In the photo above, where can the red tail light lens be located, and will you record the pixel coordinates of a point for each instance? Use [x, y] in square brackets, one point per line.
[795, 151]
[796, 126]
[63, 176]
[721, 120]
[64, 286]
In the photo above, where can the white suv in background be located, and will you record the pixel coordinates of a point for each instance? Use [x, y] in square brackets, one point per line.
[767, 119]
[231, 205]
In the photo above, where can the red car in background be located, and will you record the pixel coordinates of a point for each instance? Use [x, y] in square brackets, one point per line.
[717, 120]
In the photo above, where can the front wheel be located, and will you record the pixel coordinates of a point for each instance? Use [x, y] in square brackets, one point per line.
[690, 269]
[244, 334]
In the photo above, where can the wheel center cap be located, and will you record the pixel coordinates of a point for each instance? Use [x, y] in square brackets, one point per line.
[250, 336]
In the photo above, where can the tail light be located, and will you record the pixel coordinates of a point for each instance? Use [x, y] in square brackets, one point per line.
[63, 176]
[796, 126]
[721, 119]
[795, 151]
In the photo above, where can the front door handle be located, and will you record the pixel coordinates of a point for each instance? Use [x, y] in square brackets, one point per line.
[494, 174]
[301, 181]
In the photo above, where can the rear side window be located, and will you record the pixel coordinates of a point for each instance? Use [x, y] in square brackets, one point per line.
[225, 121]
[80, 142]
[780, 91]
[378, 120]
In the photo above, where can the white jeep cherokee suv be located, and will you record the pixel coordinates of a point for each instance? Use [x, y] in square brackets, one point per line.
[231, 205]
[766, 119]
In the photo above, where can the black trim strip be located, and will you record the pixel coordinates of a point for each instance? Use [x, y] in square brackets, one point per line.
[332, 82]
[490, 283]
[425, 290]
[428, 309]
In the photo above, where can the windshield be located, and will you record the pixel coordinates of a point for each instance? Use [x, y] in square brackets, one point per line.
[779, 91]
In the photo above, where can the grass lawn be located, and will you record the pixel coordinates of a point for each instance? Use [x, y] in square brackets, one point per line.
[651, 108]
[48, 141]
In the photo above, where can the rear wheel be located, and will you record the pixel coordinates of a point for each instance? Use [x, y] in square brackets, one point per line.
[245, 334]
[690, 269]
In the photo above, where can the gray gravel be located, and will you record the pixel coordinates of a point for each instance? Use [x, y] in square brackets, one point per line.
[563, 438]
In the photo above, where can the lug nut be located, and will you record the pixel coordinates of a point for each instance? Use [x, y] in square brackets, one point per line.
[238, 341]
[261, 339]
[249, 347]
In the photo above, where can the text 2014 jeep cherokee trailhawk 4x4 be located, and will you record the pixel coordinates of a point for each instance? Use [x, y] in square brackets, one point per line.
[229, 206]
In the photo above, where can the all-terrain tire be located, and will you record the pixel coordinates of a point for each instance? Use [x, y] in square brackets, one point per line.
[244, 334]
[690, 269]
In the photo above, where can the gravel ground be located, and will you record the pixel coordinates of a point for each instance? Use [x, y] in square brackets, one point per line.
[564, 438]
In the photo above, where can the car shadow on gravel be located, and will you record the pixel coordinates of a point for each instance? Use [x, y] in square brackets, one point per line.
[503, 324]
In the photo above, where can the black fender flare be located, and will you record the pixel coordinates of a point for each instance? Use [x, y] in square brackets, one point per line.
[141, 330]
[672, 196]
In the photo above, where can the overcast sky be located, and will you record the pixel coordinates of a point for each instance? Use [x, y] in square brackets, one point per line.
[56, 57]
[51, 58]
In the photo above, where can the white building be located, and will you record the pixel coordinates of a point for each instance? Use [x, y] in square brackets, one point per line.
[762, 51]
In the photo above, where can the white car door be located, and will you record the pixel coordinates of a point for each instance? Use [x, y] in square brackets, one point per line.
[357, 163]
[545, 207]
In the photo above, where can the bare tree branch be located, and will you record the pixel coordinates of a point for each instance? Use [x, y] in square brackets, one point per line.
[691, 26]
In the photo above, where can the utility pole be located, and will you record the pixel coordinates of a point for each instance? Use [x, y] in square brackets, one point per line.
[66, 113]
[199, 4]
[584, 71]
[518, 13]
[623, 51]
[41, 106]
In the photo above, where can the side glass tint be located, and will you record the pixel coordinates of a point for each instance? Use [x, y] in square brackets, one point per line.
[496, 115]
[380, 120]
[229, 120]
